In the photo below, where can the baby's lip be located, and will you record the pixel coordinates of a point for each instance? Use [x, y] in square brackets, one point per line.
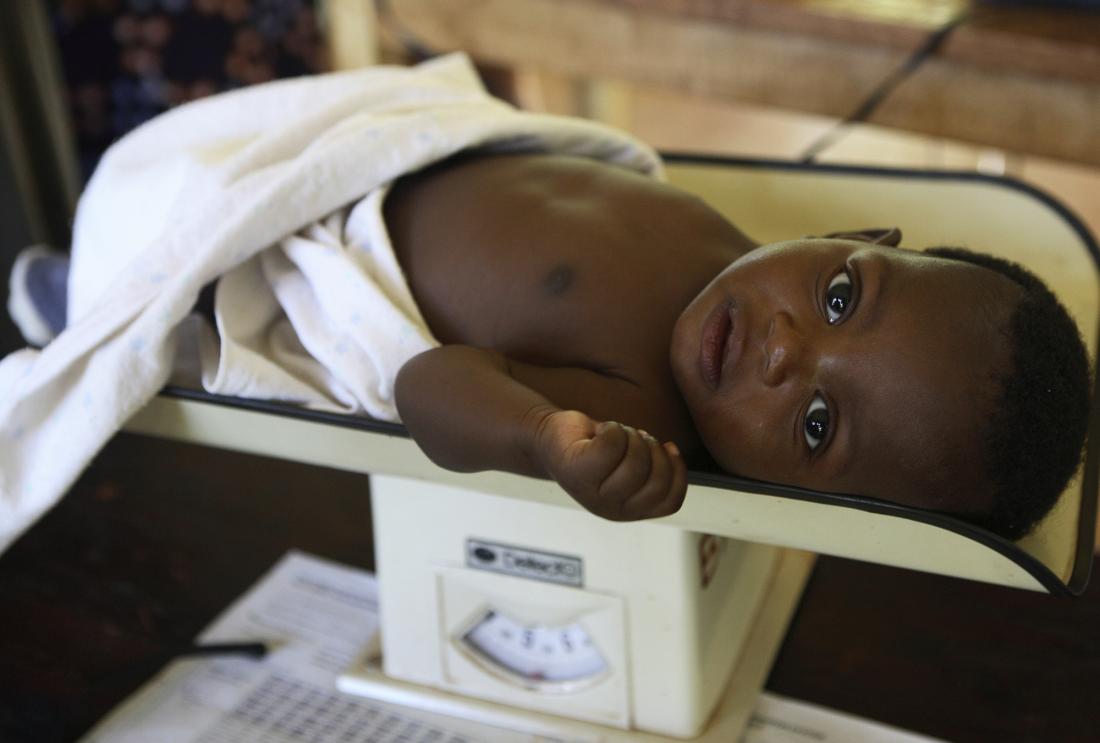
[721, 343]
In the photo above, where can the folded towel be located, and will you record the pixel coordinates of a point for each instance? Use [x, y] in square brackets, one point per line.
[213, 189]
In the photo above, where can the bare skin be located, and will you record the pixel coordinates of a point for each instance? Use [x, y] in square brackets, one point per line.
[582, 311]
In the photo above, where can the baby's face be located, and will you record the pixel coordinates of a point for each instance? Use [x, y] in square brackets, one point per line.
[847, 367]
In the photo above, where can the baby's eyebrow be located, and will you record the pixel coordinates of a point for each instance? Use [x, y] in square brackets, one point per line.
[871, 292]
[845, 413]
[843, 457]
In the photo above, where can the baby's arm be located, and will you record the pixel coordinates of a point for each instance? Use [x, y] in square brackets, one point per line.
[472, 409]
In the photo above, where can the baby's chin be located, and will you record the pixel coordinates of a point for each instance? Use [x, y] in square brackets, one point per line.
[683, 349]
[712, 450]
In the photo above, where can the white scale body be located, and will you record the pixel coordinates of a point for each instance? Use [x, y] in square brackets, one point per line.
[635, 626]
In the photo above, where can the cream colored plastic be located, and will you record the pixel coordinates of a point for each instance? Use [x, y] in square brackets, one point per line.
[758, 518]
[769, 204]
[669, 639]
[727, 722]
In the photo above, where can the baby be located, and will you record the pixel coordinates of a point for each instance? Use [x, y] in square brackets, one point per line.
[601, 328]
[598, 327]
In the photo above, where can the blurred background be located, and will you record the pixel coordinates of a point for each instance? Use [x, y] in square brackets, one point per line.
[75, 75]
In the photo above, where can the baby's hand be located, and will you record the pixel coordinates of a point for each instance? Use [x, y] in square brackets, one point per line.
[614, 471]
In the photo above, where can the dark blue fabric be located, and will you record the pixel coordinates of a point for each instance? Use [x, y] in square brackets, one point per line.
[47, 280]
[126, 61]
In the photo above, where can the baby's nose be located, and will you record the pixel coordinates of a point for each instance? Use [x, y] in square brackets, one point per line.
[784, 348]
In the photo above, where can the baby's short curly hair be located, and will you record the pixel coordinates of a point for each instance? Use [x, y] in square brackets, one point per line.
[1037, 430]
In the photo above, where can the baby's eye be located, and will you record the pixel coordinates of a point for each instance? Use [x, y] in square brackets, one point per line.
[838, 296]
[816, 425]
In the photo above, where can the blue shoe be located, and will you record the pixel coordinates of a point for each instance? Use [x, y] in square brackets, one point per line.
[38, 293]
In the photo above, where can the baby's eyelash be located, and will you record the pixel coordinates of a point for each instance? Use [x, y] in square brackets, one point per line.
[815, 424]
[838, 297]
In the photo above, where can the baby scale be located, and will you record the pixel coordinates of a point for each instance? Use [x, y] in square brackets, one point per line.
[502, 601]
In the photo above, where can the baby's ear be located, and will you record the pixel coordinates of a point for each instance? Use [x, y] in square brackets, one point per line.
[888, 236]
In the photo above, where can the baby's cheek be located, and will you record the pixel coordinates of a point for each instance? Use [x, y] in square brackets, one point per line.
[755, 444]
[724, 439]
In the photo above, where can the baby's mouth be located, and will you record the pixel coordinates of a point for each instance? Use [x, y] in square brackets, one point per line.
[720, 346]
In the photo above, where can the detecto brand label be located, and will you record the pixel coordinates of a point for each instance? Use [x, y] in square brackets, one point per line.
[525, 563]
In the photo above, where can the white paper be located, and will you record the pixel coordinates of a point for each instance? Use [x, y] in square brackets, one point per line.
[317, 617]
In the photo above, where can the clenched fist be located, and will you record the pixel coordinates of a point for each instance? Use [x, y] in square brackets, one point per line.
[615, 471]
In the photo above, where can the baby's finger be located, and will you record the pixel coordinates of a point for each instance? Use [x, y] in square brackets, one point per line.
[677, 488]
[630, 475]
[650, 496]
[601, 454]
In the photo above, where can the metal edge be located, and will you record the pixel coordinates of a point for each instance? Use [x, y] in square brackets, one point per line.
[1040, 572]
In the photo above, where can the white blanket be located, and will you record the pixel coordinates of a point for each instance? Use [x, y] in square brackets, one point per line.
[214, 189]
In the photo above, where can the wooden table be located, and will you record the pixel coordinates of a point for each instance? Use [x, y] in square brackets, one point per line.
[157, 538]
[1017, 79]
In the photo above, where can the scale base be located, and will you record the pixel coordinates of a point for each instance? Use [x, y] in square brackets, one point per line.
[727, 723]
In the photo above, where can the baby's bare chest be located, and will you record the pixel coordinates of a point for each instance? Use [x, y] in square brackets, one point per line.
[548, 262]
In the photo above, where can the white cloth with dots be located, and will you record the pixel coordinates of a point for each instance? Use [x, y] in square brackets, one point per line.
[212, 190]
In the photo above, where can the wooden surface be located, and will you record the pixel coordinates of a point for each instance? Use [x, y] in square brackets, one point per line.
[157, 538]
[1015, 79]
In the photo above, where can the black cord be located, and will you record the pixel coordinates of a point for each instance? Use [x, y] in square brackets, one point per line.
[413, 47]
[862, 112]
[255, 650]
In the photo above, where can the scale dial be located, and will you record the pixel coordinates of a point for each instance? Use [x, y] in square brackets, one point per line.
[535, 656]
